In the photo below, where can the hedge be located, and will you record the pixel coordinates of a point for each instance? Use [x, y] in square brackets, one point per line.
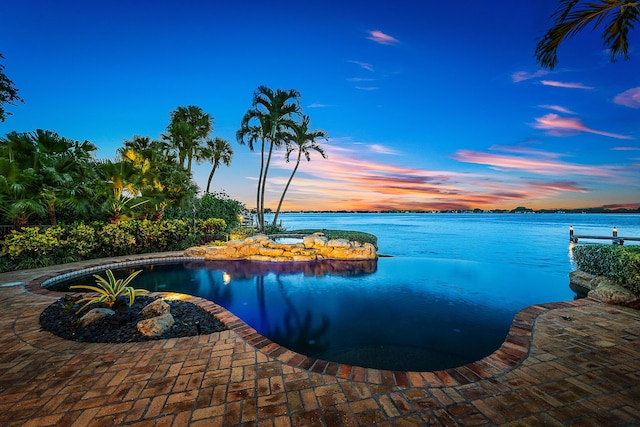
[619, 263]
[34, 247]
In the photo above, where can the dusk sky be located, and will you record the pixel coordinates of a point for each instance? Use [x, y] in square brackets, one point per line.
[428, 104]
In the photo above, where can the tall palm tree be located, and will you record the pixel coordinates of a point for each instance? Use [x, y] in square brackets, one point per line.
[572, 16]
[303, 141]
[270, 118]
[216, 150]
[188, 129]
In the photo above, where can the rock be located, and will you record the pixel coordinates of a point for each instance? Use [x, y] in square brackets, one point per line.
[586, 280]
[611, 293]
[156, 326]
[156, 308]
[95, 315]
[603, 289]
[261, 248]
[196, 251]
[339, 243]
[271, 252]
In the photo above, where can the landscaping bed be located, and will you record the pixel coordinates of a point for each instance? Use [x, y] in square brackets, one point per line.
[60, 319]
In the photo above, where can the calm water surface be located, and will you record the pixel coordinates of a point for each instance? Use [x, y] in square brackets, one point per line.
[445, 297]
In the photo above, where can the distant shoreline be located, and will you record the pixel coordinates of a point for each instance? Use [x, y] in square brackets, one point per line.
[476, 211]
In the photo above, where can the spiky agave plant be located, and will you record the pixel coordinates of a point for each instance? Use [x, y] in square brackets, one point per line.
[109, 289]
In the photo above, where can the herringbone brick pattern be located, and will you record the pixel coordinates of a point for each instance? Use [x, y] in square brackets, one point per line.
[565, 364]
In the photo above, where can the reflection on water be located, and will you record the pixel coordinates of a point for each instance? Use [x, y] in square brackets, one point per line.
[446, 298]
[393, 313]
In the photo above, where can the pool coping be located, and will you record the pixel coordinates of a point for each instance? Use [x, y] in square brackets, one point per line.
[513, 351]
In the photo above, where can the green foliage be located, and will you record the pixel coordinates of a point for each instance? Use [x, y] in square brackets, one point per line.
[8, 93]
[240, 233]
[219, 205]
[109, 289]
[35, 247]
[619, 263]
[211, 226]
[82, 240]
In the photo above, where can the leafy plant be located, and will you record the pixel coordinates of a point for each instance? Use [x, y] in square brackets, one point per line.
[109, 289]
[619, 263]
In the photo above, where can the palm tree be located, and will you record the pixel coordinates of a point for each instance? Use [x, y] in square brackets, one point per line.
[8, 93]
[269, 120]
[216, 150]
[47, 170]
[189, 127]
[572, 16]
[303, 141]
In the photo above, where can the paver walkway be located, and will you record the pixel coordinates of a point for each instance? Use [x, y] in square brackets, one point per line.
[565, 364]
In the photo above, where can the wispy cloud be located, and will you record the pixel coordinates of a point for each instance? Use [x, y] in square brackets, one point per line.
[317, 105]
[367, 87]
[361, 79]
[382, 38]
[348, 178]
[558, 108]
[629, 98]
[540, 166]
[518, 149]
[521, 76]
[363, 65]
[565, 85]
[561, 126]
[625, 148]
[382, 149]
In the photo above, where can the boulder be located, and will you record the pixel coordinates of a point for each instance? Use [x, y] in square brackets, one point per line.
[95, 315]
[611, 293]
[339, 243]
[603, 289]
[156, 308]
[156, 326]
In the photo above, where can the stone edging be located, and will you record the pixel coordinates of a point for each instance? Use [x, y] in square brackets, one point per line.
[511, 353]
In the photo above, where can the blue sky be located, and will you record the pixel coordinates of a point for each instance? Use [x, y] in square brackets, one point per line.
[428, 105]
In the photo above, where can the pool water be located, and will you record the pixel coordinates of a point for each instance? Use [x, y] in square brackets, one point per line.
[404, 313]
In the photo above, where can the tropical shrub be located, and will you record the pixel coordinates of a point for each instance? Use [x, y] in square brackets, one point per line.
[211, 226]
[212, 205]
[38, 247]
[240, 233]
[109, 289]
[619, 263]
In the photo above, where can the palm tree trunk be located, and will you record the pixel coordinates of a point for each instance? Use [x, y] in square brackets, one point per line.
[286, 187]
[260, 224]
[264, 184]
[51, 211]
[213, 170]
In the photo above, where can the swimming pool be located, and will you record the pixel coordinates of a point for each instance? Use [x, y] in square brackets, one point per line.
[408, 314]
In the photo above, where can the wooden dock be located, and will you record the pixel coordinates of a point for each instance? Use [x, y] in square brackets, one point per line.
[615, 239]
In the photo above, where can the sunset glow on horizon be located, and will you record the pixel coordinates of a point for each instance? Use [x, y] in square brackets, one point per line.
[423, 112]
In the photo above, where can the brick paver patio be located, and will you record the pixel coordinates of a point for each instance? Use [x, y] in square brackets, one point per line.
[563, 364]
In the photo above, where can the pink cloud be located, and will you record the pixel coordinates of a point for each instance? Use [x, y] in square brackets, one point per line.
[521, 76]
[629, 98]
[559, 126]
[557, 108]
[538, 166]
[565, 85]
[524, 150]
[382, 38]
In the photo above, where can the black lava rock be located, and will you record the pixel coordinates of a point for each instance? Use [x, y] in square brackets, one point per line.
[60, 318]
